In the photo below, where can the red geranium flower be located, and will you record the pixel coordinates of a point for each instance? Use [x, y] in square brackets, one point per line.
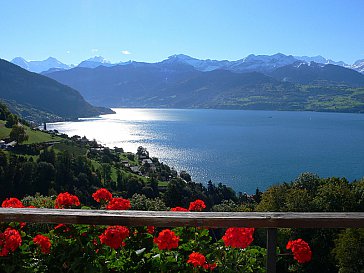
[150, 229]
[196, 259]
[210, 266]
[66, 200]
[167, 239]
[62, 227]
[197, 205]
[301, 250]
[118, 204]
[43, 242]
[12, 203]
[238, 237]
[178, 209]
[102, 195]
[10, 240]
[113, 236]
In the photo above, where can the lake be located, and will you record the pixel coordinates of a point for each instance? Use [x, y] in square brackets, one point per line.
[243, 149]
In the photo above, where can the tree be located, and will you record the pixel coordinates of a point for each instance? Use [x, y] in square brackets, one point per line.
[47, 155]
[274, 198]
[141, 151]
[185, 176]
[18, 134]
[358, 189]
[45, 174]
[4, 111]
[11, 120]
[133, 185]
[177, 193]
[349, 251]
[334, 195]
[106, 171]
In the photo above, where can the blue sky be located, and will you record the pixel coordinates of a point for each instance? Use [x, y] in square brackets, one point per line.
[150, 31]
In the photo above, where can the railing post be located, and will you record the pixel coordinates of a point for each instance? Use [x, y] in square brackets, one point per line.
[271, 250]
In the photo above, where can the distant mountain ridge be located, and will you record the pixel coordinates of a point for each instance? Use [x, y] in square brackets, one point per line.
[251, 63]
[41, 66]
[31, 93]
[316, 73]
[359, 66]
[321, 60]
[276, 82]
[176, 83]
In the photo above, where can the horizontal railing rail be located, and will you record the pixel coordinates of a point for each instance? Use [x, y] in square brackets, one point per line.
[269, 220]
[174, 219]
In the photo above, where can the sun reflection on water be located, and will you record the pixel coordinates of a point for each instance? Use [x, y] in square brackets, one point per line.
[243, 149]
[127, 128]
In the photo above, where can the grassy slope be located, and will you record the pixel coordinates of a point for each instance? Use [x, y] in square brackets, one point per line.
[40, 137]
[70, 147]
[34, 135]
[4, 132]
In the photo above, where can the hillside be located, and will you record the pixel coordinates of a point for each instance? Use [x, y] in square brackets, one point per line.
[315, 73]
[38, 98]
[179, 85]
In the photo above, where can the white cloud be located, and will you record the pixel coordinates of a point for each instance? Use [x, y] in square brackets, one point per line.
[94, 50]
[68, 52]
[125, 52]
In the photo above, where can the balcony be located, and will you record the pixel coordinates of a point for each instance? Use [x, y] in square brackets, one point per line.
[268, 220]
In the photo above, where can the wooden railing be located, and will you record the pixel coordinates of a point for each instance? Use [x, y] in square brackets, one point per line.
[269, 220]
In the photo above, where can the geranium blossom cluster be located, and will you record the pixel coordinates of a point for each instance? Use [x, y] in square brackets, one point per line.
[197, 205]
[10, 240]
[103, 196]
[199, 260]
[43, 242]
[12, 203]
[66, 200]
[150, 229]
[62, 227]
[118, 204]
[301, 250]
[238, 237]
[114, 236]
[167, 239]
[178, 209]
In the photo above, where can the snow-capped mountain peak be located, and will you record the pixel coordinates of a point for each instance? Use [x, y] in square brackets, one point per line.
[262, 63]
[19, 61]
[359, 62]
[40, 66]
[180, 57]
[201, 65]
[99, 59]
[321, 60]
[95, 62]
[358, 66]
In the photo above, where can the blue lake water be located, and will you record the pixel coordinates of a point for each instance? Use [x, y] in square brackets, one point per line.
[243, 149]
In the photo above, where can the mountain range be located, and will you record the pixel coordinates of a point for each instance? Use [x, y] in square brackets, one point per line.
[277, 82]
[258, 63]
[255, 83]
[38, 98]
